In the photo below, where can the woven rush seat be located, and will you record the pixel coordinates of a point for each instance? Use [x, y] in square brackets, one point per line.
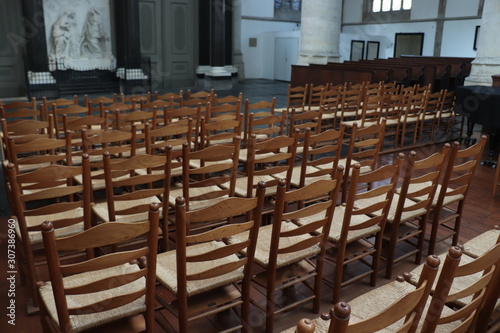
[336, 226]
[478, 245]
[166, 271]
[98, 182]
[194, 192]
[371, 303]
[459, 283]
[86, 321]
[264, 244]
[36, 236]
[241, 185]
[101, 209]
[406, 215]
[447, 199]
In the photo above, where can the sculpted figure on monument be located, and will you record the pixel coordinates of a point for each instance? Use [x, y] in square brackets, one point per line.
[62, 35]
[93, 36]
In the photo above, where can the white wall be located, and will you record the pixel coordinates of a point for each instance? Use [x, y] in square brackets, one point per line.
[425, 9]
[352, 11]
[385, 34]
[459, 44]
[458, 35]
[459, 8]
[259, 61]
[257, 8]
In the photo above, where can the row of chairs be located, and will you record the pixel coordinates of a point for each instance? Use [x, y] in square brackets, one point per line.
[455, 292]
[209, 167]
[412, 112]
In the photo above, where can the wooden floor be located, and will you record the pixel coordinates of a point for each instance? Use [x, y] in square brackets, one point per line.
[482, 212]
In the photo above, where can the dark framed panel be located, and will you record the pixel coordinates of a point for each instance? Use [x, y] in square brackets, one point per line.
[476, 37]
[357, 50]
[372, 50]
[408, 43]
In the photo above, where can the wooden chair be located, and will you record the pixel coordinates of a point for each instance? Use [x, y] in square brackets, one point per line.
[24, 130]
[476, 281]
[296, 98]
[129, 194]
[393, 110]
[220, 130]
[20, 109]
[97, 104]
[350, 105]
[478, 245]
[38, 152]
[47, 193]
[200, 277]
[71, 112]
[371, 111]
[364, 146]
[452, 193]
[174, 134]
[320, 158]
[208, 96]
[208, 175]
[430, 115]
[175, 99]
[315, 95]
[300, 121]
[260, 110]
[263, 126]
[135, 99]
[60, 102]
[331, 103]
[358, 226]
[412, 117]
[267, 161]
[95, 292]
[447, 117]
[184, 114]
[496, 179]
[119, 145]
[229, 99]
[284, 248]
[407, 217]
[92, 125]
[394, 307]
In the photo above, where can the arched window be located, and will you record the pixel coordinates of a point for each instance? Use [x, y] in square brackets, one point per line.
[390, 5]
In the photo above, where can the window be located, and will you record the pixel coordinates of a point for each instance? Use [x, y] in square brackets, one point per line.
[390, 5]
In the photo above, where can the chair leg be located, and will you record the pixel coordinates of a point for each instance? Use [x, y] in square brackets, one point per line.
[270, 309]
[376, 259]
[391, 253]
[318, 279]
[496, 181]
[421, 238]
[434, 230]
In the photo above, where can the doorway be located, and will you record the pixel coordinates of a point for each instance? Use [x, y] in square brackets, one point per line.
[286, 52]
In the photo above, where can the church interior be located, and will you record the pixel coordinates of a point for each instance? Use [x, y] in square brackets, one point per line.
[250, 166]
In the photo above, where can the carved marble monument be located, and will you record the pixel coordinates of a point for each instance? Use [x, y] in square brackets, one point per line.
[78, 35]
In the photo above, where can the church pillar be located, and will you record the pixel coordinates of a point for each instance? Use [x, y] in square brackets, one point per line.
[40, 80]
[237, 54]
[320, 31]
[487, 61]
[218, 76]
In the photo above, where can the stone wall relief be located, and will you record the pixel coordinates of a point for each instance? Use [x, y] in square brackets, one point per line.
[79, 38]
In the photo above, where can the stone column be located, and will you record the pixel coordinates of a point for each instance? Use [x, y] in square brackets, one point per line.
[487, 62]
[320, 31]
[237, 55]
[218, 76]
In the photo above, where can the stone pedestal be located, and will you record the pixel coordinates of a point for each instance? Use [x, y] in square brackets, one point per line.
[320, 31]
[487, 62]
